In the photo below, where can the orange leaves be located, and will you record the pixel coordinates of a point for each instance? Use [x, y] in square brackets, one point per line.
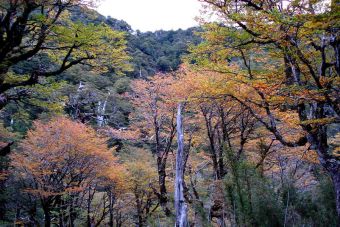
[155, 103]
[262, 86]
[152, 90]
[62, 156]
[122, 134]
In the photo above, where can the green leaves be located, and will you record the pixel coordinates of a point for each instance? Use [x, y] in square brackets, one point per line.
[49, 97]
[97, 46]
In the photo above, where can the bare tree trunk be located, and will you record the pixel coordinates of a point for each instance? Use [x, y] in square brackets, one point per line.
[180, 205]
[101, 112]
[111, 201]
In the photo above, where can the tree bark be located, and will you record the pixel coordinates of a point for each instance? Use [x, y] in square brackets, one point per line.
[318, 138]
[47, 220]
[180, 205]
[89, 209]
[210, 133]
[336, 182]
[162, 150]
[163, 198]
[140, 213]
[111, 201]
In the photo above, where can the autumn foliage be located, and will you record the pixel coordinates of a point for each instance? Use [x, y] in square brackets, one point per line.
[61, 156]
[255, 141]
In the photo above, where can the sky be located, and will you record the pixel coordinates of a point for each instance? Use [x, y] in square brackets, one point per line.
[152, 15]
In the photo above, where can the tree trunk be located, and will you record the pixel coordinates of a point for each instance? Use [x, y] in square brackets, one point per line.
[319, 141]
[72, 212]
[336, 182]
[163, 198]
[101, 112]
[180, 205]
[47, 214]
[60, 211]
[162, 155]
[213, 150]
[110, 208]
[139, 209]
[318, 137]
[89, 209]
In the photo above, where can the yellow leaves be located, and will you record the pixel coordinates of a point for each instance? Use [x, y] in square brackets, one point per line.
[319, 122]
[290, 119]
[193, 85]
[11, 77]
[327, 81]
[99, 46]
[335, 145]
[115, 175]
[141, 171]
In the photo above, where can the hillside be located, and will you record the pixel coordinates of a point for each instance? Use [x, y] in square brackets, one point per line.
[152, 52]
[235, 123]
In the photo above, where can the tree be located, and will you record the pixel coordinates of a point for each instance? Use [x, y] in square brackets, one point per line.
[40, 31]
[224, 121]
[6, 135]
[225, 126]
[156, 118]
[159, 50]
[142, 182]
[60, 159]
[281, 58]
[180, 205]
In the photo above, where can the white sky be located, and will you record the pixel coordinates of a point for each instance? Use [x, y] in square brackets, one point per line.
[151, 15]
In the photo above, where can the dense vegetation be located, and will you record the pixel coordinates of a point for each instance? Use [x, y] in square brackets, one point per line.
[235, 123]
[152, 52]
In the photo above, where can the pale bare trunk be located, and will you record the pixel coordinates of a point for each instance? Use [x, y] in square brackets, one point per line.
[180, 205]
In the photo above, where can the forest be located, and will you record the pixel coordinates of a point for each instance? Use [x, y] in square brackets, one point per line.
[235, 122]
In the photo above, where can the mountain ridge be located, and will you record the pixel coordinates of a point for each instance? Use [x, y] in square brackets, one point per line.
[152, 52]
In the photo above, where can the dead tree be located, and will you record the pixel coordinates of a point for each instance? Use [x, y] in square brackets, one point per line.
[180, 205]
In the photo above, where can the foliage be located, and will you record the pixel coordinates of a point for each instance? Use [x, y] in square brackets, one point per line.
[151, 51]
[281, 66]
[259, 97]
[43, 33]
[61, 159]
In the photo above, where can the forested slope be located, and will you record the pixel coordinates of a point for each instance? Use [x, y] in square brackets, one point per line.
[152, 52]
[235, 123]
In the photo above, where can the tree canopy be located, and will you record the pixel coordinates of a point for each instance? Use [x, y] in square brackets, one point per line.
[232, 123]
[41, 32]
